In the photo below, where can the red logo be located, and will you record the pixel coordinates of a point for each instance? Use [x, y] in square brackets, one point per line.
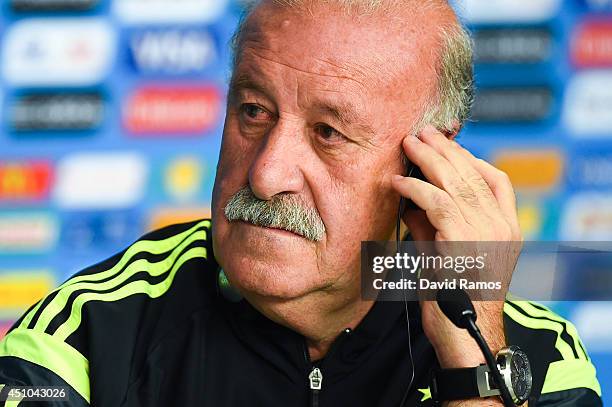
[4, 328]
[25, 181]
[592, 45]
[172, 111]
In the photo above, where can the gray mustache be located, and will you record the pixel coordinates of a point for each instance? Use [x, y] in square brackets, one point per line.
[286, 211]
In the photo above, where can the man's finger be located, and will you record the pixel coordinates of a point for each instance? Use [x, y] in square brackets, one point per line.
[441, 209]
[439, 171]
[499, 183]
[419, 226]
[445, 147]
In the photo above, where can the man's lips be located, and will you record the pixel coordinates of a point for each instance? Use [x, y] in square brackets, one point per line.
[273, 229]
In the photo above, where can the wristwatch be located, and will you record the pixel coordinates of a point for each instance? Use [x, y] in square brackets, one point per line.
[467, 383]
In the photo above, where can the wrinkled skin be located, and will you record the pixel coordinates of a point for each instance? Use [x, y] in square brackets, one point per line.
[285, 147]
[321, 105]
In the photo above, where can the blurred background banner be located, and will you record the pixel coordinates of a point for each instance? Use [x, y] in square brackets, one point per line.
[112, 113]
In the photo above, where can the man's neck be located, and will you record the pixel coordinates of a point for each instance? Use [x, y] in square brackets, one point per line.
[319, 317]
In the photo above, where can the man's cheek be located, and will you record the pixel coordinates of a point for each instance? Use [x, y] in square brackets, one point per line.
[233, 167]
[351, 219]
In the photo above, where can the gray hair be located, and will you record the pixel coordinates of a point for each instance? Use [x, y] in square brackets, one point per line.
[284, 211]
[450, 105]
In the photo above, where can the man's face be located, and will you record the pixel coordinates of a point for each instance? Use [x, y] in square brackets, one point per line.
[318, 107]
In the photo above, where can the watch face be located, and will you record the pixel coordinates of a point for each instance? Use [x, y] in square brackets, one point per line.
[520, 375]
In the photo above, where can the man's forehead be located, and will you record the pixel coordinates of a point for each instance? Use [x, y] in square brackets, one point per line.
[326, 41]
[384, 63]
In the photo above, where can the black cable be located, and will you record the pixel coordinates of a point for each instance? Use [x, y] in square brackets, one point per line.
[491, 362]
[398, 240]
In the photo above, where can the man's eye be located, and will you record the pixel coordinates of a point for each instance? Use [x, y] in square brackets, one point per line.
[255, 112]
[328, 133]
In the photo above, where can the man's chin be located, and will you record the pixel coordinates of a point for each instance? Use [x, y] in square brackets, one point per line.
[272, 281]
[267, 262]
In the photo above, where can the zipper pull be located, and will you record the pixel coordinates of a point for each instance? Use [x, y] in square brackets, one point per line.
[316, 379]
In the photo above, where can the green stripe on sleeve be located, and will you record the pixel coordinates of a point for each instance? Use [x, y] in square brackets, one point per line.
[49, 352]
[563, 347]
[13, 403]
[571, 374]
[133, 288]
[61, 299]
[529, 308]
[157, 247]
[149, 246]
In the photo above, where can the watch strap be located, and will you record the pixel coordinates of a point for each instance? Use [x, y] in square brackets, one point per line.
[454, 384]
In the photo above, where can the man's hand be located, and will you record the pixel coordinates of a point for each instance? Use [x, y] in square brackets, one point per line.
[466, 200]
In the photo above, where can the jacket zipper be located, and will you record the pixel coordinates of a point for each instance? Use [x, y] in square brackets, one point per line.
[315, 377]
[316, 384]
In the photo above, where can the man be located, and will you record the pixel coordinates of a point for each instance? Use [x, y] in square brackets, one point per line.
[262, 306]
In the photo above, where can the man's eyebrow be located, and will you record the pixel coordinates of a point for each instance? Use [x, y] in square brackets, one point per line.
[346, 114]
[245, 82]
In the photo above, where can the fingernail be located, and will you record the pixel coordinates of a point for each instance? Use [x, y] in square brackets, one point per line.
[412, 139]
[397, 178]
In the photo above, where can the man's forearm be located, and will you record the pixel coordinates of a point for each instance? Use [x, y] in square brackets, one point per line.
[463, 352]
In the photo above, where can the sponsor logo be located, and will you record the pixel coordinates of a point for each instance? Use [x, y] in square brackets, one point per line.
[527, 45]
[21, 288]
[169, 11]
[169, 216]
[173, 52]
[24, 181]
[588, 104]
[4, 328]
[57, 112]
[58, 52]
[535, 170]
[508, 11]
[586, 217]
[101, 181]
[513, 105]
[599, 5]
[27, 233]
[172, 111]
[593, 322]
[53, 5]
[591, 171]
[530, 220]
[592, 44]
[84, 231]
[183, 178]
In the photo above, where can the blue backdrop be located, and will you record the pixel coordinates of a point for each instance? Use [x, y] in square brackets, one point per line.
[111, 116]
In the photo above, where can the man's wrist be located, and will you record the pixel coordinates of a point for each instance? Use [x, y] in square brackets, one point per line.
[461, 350]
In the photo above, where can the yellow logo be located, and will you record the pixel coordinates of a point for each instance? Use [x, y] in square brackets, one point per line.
[20, 289]
[532, 169]
[184, 178]
[426, 394]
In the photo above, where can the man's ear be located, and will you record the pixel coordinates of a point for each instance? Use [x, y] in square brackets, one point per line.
[452, 134]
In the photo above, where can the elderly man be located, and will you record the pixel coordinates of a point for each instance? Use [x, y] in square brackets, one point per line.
[262, 305]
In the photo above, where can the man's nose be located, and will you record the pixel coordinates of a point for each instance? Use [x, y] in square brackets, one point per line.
[276, 168]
